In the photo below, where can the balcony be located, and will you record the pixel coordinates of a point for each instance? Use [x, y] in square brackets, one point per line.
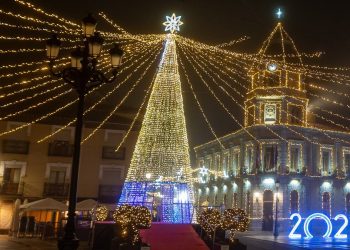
[15, 147]
[11, 188]
[60, 148]
[56, 189]
[109, 193]
[108, 152]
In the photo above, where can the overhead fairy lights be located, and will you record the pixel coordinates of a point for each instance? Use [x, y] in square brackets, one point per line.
[213, 64]
[135, 70]
[119, 104]
[173, 23]
[199, 105]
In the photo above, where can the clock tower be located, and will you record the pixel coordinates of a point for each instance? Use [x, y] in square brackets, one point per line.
[277, 93]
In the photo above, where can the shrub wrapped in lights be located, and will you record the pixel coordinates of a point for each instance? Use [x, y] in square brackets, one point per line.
[131, 219]
[234, 220]
[101, 213]
[210, 220]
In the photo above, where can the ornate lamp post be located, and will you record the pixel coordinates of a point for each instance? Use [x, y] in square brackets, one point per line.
[275, 232]
[83, 76]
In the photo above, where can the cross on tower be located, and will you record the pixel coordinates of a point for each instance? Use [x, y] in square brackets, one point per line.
[279, 13]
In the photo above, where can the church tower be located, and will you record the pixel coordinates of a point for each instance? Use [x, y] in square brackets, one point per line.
[277, 93]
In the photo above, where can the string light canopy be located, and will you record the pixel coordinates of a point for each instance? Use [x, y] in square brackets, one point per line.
[221, 68]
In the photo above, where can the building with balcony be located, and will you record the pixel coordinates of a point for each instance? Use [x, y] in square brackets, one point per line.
[279, 143]
[31, 170]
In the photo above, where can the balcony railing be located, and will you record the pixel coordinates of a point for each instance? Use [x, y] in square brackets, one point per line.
[109, 193]
[56, 189]
[15, 147]
[11, 188]
[60, 148]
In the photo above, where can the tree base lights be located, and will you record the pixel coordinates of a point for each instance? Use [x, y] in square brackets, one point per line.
[168, 201]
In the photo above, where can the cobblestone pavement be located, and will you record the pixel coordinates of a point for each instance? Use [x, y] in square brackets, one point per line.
[7, 242]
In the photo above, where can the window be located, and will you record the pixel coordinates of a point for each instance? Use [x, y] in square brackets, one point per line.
[15, 147]
[12, 175]
[347, 204]
[294, 159]
[294, 202]
[57, 175]
[294, 80]
[326, 203]
[272, 79]
[326, 163]
[11, 180]
[60, 148]
[295, 114]
[111, 176]
[270, 158]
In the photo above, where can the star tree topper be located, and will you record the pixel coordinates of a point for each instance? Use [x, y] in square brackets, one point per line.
[172, 23]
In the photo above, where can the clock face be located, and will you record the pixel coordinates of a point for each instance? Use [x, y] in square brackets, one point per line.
[272, 67]
[270, 113]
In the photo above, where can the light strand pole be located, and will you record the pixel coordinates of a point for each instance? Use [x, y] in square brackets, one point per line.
[83, 76]
[275, 232]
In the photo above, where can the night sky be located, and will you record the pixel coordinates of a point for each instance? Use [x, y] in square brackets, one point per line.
[314, 26]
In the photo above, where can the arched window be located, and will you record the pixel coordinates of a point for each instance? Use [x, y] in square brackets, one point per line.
[294, 202]
[235, 200]
[326, 203]
[347, 204]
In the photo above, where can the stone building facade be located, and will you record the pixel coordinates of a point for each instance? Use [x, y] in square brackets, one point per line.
[279, 157]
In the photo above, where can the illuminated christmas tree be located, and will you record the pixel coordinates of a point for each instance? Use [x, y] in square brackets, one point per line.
[159, 175]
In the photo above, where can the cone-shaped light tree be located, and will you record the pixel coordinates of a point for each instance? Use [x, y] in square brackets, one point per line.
[159, 175]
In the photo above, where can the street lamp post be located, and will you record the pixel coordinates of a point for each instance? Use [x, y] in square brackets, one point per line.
[83, 76]
[275, 232]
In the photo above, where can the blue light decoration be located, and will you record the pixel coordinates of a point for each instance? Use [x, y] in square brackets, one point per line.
[320, 216]
[169, 200]
[339, 235]
[292, 234]
[329, 229]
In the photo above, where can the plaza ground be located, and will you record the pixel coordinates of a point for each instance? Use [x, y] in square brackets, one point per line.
[253, 240]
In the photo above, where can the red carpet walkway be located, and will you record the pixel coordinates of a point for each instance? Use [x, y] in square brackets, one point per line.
[163, 236]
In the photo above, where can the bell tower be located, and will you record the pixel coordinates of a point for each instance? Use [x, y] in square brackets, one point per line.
[277, 93]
